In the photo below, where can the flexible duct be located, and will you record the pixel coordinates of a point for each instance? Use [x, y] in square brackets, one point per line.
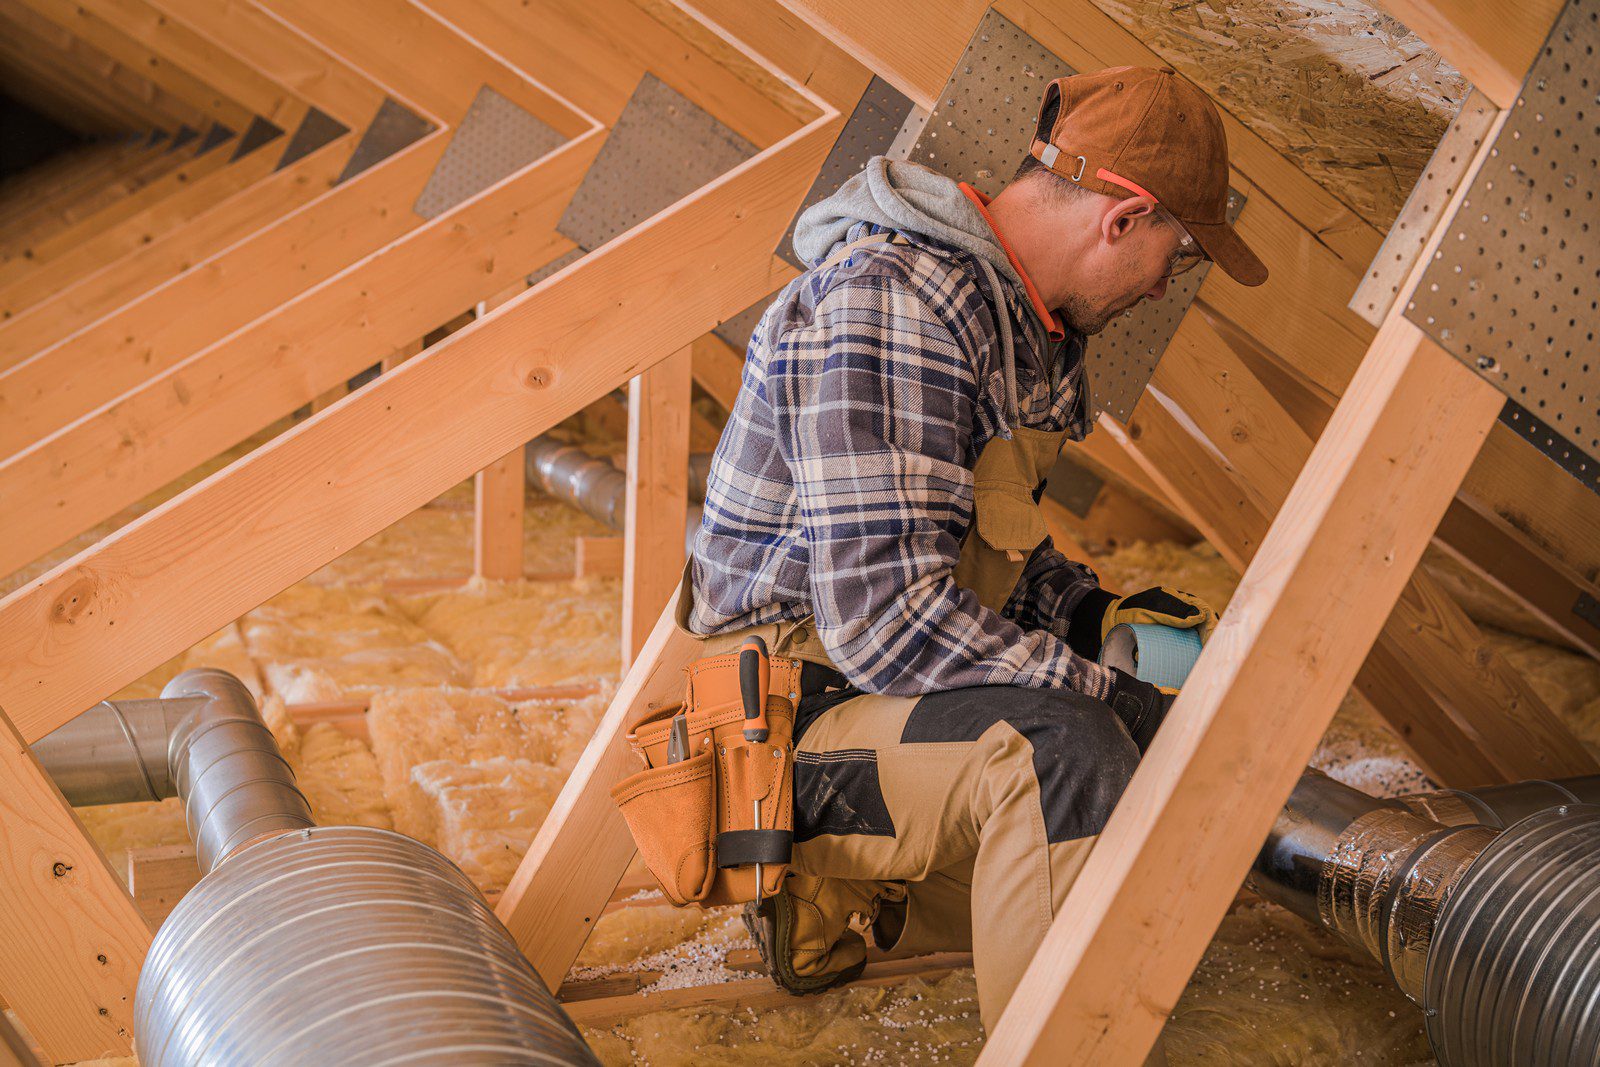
[1493, 929]
[300, 944]
[347, 945]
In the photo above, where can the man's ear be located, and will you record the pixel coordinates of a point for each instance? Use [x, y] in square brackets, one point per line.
[1121, 216]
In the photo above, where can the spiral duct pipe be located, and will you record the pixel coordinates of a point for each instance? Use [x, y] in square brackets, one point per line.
[346, 945]
[300, 944]
[203, 740]
[1493, 926]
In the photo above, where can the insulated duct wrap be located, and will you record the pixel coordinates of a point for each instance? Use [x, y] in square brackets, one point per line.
[1384, 884]
[343, 945]
[1514, 976]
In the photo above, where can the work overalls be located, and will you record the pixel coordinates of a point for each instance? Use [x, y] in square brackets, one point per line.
[909, 809]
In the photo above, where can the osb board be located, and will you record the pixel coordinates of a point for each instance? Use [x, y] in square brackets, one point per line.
[1337, 86]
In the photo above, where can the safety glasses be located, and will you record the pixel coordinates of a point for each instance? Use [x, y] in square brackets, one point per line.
[1187, 256]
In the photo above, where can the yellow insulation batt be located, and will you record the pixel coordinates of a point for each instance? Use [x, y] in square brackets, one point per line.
[474, 774]
[320, 643]
[527, 633]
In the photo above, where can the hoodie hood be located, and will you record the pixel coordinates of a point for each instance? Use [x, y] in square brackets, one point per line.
[912, 199]
[904, 197]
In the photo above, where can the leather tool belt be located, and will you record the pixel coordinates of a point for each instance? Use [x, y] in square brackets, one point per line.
[707, 821]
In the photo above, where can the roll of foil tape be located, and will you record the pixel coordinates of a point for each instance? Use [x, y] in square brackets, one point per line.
[1160, 655]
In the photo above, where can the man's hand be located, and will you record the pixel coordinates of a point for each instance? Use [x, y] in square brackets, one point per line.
[1168, 607]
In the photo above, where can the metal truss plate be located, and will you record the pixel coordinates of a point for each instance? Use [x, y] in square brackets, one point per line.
[1514, 288]
[980, 130]
[1437, 183]
[394, 127]
[870, 131]
[496, 139]
[1072, 486]
[662, 148]
[217, 136]
[555, 266]
[315, 130]
[259, 133]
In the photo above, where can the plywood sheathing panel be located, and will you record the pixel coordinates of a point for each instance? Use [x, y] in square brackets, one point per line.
[1339, 87]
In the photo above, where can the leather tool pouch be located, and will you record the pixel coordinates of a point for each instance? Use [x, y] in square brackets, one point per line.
[694, 821]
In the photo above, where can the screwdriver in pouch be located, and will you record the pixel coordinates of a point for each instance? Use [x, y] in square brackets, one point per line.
[755, 678]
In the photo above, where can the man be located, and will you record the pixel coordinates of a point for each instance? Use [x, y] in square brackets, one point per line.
[872, 510]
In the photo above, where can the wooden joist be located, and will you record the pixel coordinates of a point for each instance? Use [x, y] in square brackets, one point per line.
[177, 573]
[657, 495]
[752, 994]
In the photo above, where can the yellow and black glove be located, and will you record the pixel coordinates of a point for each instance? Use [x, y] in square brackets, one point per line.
[1099, 611]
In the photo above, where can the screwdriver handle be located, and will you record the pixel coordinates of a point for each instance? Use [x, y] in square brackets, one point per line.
[755, 679]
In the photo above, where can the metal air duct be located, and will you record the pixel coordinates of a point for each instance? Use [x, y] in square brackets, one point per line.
[300, 944]
[1492, 923]
[592, 484]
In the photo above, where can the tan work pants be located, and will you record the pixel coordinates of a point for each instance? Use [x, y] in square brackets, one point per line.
[976, 807]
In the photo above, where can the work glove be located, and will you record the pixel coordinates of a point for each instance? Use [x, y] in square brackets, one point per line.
[1142, 707]
[1100, 611]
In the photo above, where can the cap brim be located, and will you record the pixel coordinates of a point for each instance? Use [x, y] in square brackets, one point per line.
[1223, 246]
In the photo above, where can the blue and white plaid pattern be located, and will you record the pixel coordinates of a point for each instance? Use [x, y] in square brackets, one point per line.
[843, 484]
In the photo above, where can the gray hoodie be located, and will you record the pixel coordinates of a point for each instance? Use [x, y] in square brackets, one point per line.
[910, 198]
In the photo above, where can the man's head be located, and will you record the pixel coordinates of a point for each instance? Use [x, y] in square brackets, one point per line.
[1125, 187]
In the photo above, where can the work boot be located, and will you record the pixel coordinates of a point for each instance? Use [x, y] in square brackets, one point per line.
[805, 933]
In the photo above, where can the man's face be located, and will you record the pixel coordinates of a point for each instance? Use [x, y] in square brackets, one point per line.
[1131, 264]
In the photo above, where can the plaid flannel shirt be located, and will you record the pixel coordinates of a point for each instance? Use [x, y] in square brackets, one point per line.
[843, 487]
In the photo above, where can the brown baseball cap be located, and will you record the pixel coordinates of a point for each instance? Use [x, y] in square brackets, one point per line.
[1127, 131]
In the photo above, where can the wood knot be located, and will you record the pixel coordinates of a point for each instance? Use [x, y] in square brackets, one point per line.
[540, 377]
[74, 600]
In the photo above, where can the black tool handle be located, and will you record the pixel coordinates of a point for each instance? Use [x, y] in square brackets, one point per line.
[755, 676]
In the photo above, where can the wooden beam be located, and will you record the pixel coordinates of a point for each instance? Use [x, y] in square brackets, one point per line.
[499, 494]
[178, 572]
[751, 994]
[598, 557]
[274, 49]
[1491, 42]
[73, 941]
[1309, 606]
[718, 369]
[70, 295]
[582, 848]
[150, 50]
[658, 495]
[1486, 543]
[1306, 613]
[152, 434]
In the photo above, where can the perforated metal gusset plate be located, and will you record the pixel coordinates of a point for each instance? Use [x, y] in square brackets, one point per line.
[394, 127]
[260, 132]
[662, 148]
[496, 138]
[981, 128]
[1446, 168]
[869, 131]
[555, 266]
[1074, 487]
[314, 131]
[1514, 289]
[736, 331]
[215, 137]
